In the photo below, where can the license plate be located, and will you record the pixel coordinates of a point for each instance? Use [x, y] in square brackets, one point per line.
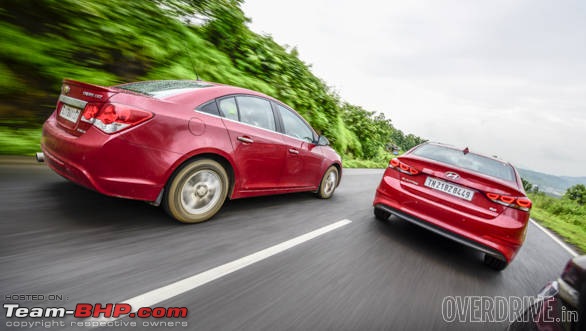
[70, 113]
[449, 188]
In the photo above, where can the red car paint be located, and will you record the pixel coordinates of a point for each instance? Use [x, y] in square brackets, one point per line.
[137, 161]
[496, 227]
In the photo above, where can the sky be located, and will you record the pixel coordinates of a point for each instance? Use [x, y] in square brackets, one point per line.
[503, 77]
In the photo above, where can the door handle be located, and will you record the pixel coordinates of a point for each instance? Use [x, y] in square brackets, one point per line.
[245, 140]
[293, 151]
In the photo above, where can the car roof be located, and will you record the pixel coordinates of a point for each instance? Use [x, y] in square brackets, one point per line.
[180, 91]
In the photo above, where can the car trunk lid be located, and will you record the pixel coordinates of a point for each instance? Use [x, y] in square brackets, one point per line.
[456, 187]
[74, 99]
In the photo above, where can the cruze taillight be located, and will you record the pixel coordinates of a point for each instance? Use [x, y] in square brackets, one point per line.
[111, 118]
[402, 167]
[522, 203]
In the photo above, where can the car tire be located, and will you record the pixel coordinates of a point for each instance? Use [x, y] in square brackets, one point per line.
[495, 263]
[381, 214]
[197, 191]
[328, 183]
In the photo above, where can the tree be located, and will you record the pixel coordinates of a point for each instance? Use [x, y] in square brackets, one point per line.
[577, 193]
[527, 185]
[117, 41]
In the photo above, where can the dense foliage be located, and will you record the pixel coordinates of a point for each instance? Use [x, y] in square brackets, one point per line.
[115, 41]
[527, 186]
[577, 193]
[565, 216]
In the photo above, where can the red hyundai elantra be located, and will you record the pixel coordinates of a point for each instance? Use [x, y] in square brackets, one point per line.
[476, 200]
[187, 145]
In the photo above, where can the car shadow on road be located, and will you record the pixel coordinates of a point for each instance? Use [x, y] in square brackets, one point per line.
[271, 201]
[87, 208]
[435, 249]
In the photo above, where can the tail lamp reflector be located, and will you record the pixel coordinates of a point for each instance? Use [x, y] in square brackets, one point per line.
[395, 163]
[111, 118]
[522, 203]
[90, 111]
[402, 167]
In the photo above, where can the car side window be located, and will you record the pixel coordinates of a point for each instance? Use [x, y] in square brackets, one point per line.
[228, 108]
[256, 111]
[210, 108]
[295, 126]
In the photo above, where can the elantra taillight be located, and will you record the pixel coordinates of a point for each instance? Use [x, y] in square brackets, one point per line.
[522, 203]
[111, 118]
[402, 167]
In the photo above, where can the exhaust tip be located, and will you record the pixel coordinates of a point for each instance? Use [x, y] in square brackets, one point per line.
[40, 156]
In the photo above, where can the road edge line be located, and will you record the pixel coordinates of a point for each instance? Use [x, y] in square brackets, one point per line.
[555, 238]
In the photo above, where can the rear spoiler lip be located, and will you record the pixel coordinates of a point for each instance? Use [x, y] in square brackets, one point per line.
[97, 88]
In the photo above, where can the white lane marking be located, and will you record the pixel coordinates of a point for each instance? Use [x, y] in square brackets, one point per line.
[153, 297]
[552, 236]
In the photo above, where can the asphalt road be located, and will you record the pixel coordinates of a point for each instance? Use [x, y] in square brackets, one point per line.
[60, 239]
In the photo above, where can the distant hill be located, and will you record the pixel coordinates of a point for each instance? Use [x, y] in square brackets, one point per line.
[553, 185]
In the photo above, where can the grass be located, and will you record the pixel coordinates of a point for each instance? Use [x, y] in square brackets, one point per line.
[19, 141]
[564, 217]
[351, 163]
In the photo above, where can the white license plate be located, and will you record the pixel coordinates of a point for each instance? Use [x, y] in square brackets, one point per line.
[70, 113]
[449, 188]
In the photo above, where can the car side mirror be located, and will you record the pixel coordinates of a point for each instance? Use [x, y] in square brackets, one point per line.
[323, 141]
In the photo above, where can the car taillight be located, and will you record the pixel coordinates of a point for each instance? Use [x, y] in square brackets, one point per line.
[90, 111]
[111, 118]
[402, 167]
[394, 163]
[522, 203]
[107, 115]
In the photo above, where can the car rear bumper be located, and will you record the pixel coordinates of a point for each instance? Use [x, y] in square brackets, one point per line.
[501, 237]
[442, 231]
[105, 163]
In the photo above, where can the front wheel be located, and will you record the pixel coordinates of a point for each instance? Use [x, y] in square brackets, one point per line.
[196, 193]
[328, 184]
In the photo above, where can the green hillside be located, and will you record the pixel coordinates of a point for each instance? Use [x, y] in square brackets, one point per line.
[116, 41]
[565, 217]
[551, 184]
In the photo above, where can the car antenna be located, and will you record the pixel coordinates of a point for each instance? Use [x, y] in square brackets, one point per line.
[191, 60]
[466, 151]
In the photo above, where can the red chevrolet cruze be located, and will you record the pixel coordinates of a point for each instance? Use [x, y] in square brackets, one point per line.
[187, 145]
[473, 199]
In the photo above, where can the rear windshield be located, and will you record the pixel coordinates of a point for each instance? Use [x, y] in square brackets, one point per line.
[163, 88]
[470, 161]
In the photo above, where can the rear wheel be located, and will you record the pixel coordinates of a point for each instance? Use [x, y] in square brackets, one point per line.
[196, 193]
[380, 214]
[328, 184]
[495, 263]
